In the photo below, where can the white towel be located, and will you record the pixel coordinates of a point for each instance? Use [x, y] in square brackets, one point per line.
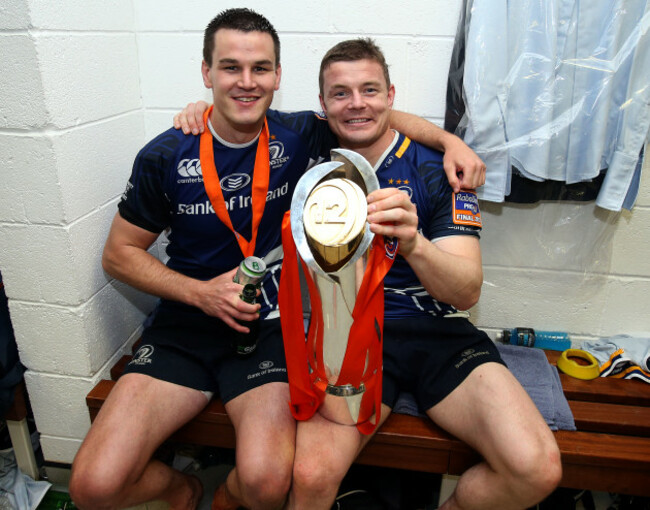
[622, 356]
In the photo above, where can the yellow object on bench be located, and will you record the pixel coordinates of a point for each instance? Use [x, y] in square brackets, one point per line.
[574, 369]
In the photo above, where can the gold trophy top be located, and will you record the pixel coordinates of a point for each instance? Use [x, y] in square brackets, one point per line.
[334, 220]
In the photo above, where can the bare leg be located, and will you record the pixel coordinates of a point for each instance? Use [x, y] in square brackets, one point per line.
[266, 433]
[223, 499]
[492, 412]
[324, 452]
[113, 468]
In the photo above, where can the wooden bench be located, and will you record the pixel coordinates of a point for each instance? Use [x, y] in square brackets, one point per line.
[609, 452]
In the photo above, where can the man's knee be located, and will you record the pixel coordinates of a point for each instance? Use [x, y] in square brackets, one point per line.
[549, 473]
[539, 469]
[265, 485]
[94, 488]
[316, 476]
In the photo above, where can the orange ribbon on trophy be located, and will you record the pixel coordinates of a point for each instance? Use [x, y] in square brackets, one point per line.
[308, 380]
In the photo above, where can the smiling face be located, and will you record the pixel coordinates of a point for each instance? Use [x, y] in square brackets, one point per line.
[357, 101]
[243, 77]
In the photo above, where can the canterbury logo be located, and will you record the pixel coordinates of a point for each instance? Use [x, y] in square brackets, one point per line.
[189, 168]
[235, 182]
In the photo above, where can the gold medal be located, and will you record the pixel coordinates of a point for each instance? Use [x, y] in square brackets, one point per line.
[334, 219]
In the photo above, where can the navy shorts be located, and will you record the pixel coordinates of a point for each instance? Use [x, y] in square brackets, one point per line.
[189, 348]
[430, 356]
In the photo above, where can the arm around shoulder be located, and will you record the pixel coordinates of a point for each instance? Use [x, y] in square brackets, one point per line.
[190, 118]
[464, 169]
[419, 129]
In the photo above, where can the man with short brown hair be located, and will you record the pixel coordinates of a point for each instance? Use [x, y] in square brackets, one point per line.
[430, 349]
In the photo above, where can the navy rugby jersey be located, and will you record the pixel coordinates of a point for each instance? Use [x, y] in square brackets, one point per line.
[166, 191]
[418, 171]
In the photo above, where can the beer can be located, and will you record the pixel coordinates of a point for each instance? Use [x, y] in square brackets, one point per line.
[250, 271]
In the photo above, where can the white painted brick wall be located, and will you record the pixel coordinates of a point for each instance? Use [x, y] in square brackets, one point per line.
[366, 17]
[37, 263]
[300, 63]
[75, 15]
[60, 176]
[84, 85]
[427, 76]
[71, 123]
[552, 300]
[23, 99]
[631, 242]
[291, 15]
[94, 162]
[88, 76]
[157, 121]
[171, 68]
[29, 188]
[14, 15]
[60, 448]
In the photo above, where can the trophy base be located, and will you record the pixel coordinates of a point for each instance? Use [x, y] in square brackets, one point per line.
[346, 390]
[342, 404]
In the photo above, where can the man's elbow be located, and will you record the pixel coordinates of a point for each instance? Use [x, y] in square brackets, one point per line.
[109, 262]
[469, 296]
[466, 302]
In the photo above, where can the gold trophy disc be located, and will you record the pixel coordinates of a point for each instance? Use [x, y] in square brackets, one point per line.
[334, 219]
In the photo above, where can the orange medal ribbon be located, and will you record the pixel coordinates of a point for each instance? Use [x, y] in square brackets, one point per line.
[260, 186]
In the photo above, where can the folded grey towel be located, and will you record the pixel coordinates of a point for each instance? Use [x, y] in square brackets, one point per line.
[540, 379]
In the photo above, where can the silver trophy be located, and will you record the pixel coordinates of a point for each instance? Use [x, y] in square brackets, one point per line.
[332, 236]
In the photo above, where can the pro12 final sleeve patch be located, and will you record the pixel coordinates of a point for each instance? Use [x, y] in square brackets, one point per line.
[466, 210]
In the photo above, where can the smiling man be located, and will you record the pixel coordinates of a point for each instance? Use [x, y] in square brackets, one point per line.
[221, 197]
[243, 77]
[359, 118]
[430, 349]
